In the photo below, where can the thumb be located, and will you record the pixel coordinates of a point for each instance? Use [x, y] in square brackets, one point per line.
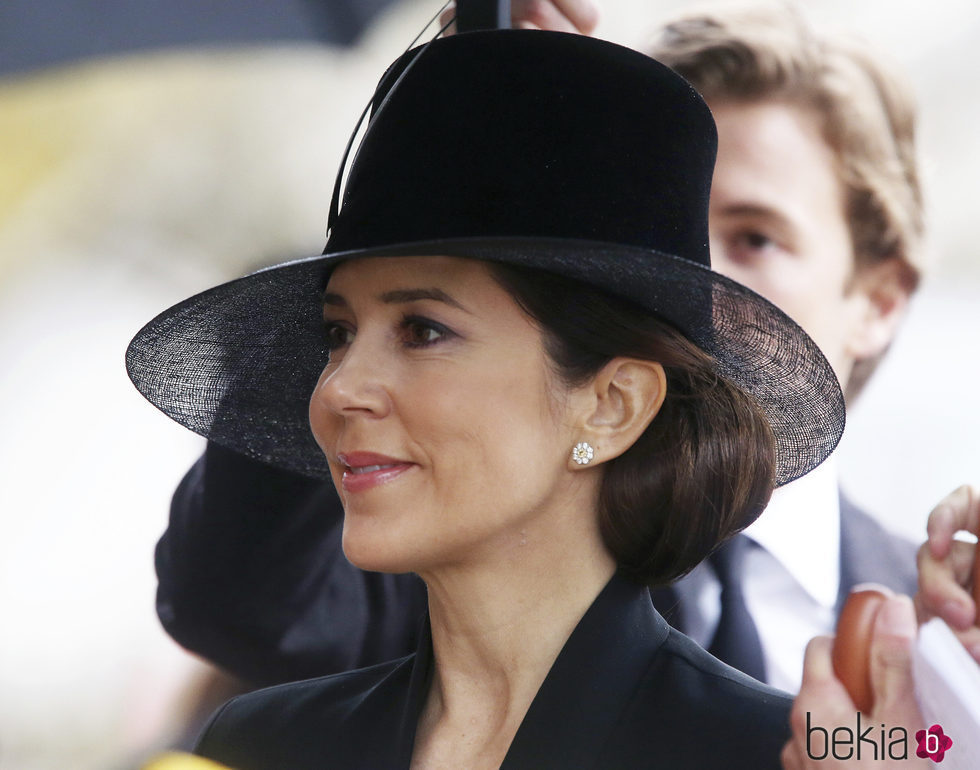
[891, 661]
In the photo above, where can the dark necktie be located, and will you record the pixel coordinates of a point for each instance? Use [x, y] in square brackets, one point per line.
[736, 640]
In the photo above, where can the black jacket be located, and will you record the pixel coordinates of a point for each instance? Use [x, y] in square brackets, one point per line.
[626, 691]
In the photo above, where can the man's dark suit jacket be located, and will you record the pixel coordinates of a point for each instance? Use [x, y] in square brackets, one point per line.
[626, 691]
[253, 578]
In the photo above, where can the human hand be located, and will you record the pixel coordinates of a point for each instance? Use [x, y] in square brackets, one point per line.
[948, 567]
[556, 15]
[823, 704]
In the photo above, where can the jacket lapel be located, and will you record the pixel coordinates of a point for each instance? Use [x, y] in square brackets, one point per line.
[591, 681]
[400, 750]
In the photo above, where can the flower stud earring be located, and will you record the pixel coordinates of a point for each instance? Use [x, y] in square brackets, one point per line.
[583, 453]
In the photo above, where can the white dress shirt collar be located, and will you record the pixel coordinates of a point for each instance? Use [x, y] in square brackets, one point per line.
[801, 529]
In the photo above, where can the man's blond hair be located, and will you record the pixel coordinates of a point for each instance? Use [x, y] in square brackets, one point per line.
[867, 114]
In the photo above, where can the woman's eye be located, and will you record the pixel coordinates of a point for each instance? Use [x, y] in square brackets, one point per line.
[421, 332]
[337, 335]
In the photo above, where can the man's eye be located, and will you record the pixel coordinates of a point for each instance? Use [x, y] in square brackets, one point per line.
[755, 240]
[747, 246]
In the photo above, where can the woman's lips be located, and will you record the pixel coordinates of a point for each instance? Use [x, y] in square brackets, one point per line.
[366, 470]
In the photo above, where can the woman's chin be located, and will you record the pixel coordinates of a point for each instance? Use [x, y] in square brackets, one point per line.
[377, 554]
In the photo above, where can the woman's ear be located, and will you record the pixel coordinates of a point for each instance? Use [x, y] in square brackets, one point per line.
[625, 396]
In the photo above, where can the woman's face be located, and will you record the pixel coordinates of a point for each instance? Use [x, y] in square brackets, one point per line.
[446, 430]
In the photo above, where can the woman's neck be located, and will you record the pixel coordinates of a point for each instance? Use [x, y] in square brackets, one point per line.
[496, 632]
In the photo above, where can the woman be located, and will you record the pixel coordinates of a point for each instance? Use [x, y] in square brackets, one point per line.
[532, 391]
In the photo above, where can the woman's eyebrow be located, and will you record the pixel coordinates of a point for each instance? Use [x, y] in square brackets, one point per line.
[396, 296]
[411, 295]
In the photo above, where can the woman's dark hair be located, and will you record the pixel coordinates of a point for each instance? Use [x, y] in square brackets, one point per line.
[704, 467]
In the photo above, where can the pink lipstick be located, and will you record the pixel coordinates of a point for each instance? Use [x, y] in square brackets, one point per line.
[366, 470]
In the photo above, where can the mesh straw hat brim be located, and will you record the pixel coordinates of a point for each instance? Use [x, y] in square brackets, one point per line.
[238, 363]
[548, 150]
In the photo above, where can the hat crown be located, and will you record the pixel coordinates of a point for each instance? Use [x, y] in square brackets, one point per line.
[517, 133]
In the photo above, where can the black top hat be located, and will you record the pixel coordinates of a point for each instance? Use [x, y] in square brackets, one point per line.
[548, 150]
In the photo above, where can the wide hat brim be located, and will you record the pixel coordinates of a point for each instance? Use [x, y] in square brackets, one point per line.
[547, 150]
[238, 363]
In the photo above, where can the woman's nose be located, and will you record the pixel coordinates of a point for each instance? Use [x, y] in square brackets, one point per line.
[355, 383]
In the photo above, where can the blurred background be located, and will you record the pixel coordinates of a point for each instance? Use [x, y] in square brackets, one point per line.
[149, 150]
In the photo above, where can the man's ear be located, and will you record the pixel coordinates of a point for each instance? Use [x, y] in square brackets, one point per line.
[624, 398]
[882, 292]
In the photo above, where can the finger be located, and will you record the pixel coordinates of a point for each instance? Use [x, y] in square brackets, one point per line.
[944, 585]
[820, 692]
[970, 638]
[962, 557]
[584, 14]
[817, 667]
[581, 16]
[791, 756]
[958, 511]
[891, 661]
[446, 16]
[821, 697]
[540, 14]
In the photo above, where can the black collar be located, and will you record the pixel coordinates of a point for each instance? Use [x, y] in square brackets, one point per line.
[591, 682]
